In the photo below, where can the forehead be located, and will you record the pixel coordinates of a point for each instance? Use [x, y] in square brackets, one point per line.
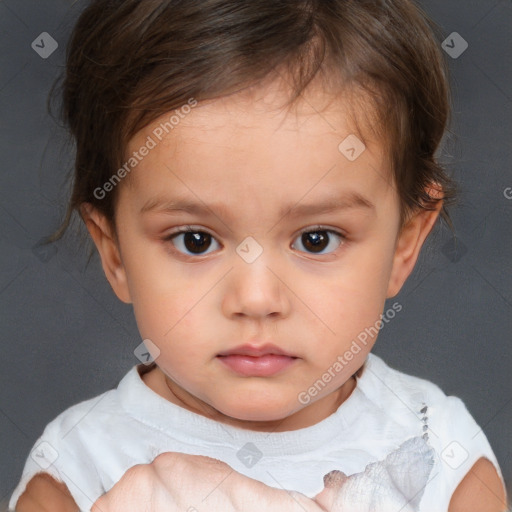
[253, 140]
[265, 109]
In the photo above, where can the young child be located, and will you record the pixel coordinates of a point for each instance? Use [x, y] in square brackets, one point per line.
[258, 178]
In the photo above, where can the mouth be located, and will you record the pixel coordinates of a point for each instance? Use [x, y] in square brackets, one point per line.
[251, 361]
[255, 351]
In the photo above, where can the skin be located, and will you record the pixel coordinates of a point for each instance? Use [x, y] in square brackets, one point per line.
[250, 161]
[232, 155]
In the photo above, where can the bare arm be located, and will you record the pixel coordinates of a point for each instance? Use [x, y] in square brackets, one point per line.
[45, 494]
[480, 491]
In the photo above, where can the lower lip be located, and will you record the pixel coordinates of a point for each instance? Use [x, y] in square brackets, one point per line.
[263, 366]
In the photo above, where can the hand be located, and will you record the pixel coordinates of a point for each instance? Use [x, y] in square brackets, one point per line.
[178, 482]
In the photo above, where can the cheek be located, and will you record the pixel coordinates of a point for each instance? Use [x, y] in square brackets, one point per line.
[180, 335]
[177, 318]
[162, 299]
[352, 298]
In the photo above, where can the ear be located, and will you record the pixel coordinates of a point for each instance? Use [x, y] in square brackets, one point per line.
[408, 246]
[102, 233]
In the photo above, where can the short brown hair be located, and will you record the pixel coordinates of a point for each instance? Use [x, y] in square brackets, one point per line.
[131, 61]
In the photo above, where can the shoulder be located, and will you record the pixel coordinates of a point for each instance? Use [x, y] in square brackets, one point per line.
[399, 393]
[465, 464]
[89, 414]
[70, 447]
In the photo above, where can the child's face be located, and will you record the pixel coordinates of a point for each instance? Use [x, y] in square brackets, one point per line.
[260, 173]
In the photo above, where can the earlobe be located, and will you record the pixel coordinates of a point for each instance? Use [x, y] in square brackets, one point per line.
[108, 248]
[408, 246]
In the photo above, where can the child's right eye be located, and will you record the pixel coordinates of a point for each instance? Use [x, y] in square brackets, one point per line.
[195, 241]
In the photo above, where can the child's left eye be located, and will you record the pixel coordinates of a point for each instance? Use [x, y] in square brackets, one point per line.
[316, 241]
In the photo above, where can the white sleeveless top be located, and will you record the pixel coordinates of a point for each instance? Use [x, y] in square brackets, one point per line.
[400, 439]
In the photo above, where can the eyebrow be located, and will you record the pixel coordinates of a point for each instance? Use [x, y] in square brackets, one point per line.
[352, 200]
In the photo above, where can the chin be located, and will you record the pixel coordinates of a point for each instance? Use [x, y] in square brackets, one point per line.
[260, 411]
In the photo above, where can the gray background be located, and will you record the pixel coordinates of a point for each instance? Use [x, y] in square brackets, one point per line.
[66, 337]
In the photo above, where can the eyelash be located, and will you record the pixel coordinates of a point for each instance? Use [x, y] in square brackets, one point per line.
[312, 229]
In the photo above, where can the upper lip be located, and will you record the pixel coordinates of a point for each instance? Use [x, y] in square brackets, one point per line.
[255, 351]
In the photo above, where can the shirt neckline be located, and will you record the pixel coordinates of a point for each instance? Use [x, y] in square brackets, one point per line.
[151, 409]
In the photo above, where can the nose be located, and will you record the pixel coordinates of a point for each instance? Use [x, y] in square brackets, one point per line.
[256, 290]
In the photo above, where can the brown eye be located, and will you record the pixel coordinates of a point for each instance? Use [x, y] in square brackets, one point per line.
[317, 241]
[197, 242]
[192, 242]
